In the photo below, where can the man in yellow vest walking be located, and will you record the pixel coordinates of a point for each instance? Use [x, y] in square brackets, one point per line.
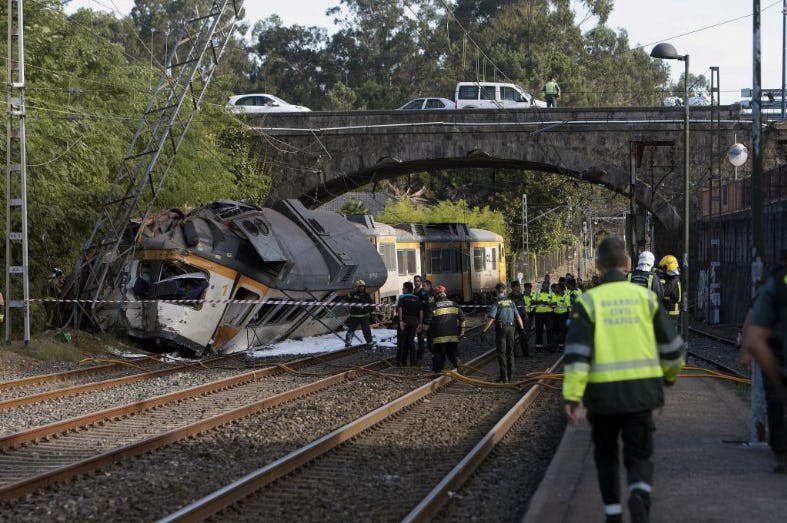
[621, 348]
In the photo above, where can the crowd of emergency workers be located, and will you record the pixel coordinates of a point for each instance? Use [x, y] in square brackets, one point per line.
[624, 317]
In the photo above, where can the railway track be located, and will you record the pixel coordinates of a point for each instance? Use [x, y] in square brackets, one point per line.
[718, 352]
[396, 451]
[45, 455]
[58, 385]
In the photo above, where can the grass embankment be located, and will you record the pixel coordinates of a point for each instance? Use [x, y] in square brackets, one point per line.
[57, 346]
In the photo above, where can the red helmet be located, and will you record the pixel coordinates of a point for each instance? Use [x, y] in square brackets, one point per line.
[440, 289]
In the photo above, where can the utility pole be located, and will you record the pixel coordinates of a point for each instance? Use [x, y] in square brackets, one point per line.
[757, 428]
[525, 236]
[16, 174]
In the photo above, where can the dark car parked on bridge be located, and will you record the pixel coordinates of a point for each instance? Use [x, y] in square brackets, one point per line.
[427, 103]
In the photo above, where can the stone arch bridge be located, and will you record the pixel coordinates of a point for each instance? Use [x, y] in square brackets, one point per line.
[316, 156]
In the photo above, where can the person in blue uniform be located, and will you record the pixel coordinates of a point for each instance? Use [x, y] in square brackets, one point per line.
[504, 316]
[408, 309]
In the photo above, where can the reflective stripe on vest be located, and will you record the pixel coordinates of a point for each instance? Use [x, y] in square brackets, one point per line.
[623, 337]
[543, 296]
[563, 303]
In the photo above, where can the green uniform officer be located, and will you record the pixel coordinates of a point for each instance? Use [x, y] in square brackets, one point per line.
[620, 349]
[764, 339]
[504, 315]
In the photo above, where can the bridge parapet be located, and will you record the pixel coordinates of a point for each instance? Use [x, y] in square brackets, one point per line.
[316, 156]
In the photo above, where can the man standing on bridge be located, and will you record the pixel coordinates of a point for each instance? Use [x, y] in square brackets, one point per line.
[620, 349]
[551, 92]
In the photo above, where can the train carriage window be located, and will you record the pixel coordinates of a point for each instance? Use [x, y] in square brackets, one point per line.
[182, 282]
[237, 313]
[494, 259]
[406, 261]
[479, 259]
[435, 261]
[388, 254]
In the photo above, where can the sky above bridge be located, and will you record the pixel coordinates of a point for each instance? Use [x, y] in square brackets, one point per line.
[711, 32]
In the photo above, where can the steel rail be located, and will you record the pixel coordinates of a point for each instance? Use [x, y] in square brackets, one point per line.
[714, 336]
[17, 489]
[103, 384]
[721, 366]
[434, 501]
[243, 487]
[60, 427]
[54, 376]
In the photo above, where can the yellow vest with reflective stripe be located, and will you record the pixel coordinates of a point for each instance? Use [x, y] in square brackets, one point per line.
[540, 295]
[624, 342]
[563, 303]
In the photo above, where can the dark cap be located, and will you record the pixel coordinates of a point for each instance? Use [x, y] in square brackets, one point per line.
[515, 283]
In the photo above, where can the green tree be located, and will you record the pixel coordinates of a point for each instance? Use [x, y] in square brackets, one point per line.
[354, 207]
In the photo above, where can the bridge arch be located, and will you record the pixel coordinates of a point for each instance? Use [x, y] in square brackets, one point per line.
[316, 156]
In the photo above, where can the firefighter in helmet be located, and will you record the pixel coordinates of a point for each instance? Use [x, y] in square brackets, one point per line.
[361, 310]
[669, 276]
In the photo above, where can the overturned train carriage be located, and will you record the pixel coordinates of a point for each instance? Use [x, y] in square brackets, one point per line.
[223, 277]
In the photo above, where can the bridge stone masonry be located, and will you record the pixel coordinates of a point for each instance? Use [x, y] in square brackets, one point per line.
[319, 155]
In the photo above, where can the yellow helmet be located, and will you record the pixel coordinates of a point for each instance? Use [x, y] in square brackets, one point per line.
[360, 283]
[669, 263]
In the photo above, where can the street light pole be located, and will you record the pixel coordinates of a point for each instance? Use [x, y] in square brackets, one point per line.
[686, 207]
[668, 52]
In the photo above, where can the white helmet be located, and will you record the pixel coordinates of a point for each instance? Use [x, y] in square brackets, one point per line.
[645, 261]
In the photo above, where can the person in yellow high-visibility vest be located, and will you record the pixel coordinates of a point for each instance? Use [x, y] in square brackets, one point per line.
[551, 93]
[621, 348]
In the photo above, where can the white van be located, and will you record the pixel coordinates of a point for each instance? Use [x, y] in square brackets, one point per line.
[493, 95]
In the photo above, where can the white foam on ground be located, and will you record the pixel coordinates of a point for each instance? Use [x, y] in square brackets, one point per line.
[385, 338]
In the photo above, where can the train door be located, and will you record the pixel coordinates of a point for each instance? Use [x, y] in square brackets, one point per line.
[467, 271]
[245, 302]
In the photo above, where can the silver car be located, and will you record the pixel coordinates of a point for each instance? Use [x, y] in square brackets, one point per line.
[258, 103]
[427, 103]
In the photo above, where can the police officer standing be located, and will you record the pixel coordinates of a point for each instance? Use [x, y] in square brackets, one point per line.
[560, 313]
[620, 350]
[360, 314]
[643, 274]
[543, 304]
[448, 325]
[551, 92]
[504, 315]
[764, 339]
[408, 309]
[427, 299]
[669, 277]
[521, 302]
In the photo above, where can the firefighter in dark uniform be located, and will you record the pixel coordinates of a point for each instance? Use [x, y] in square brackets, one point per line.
[543, 305]
[427, 299]
[448, 325]
[643, 274]
[408, 309]
[669, 276]
[621, 349]
[361, 310]
[504, 315]
[764, 339]
[521, 302]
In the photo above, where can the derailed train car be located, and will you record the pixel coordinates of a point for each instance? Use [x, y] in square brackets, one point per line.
[224, 277]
